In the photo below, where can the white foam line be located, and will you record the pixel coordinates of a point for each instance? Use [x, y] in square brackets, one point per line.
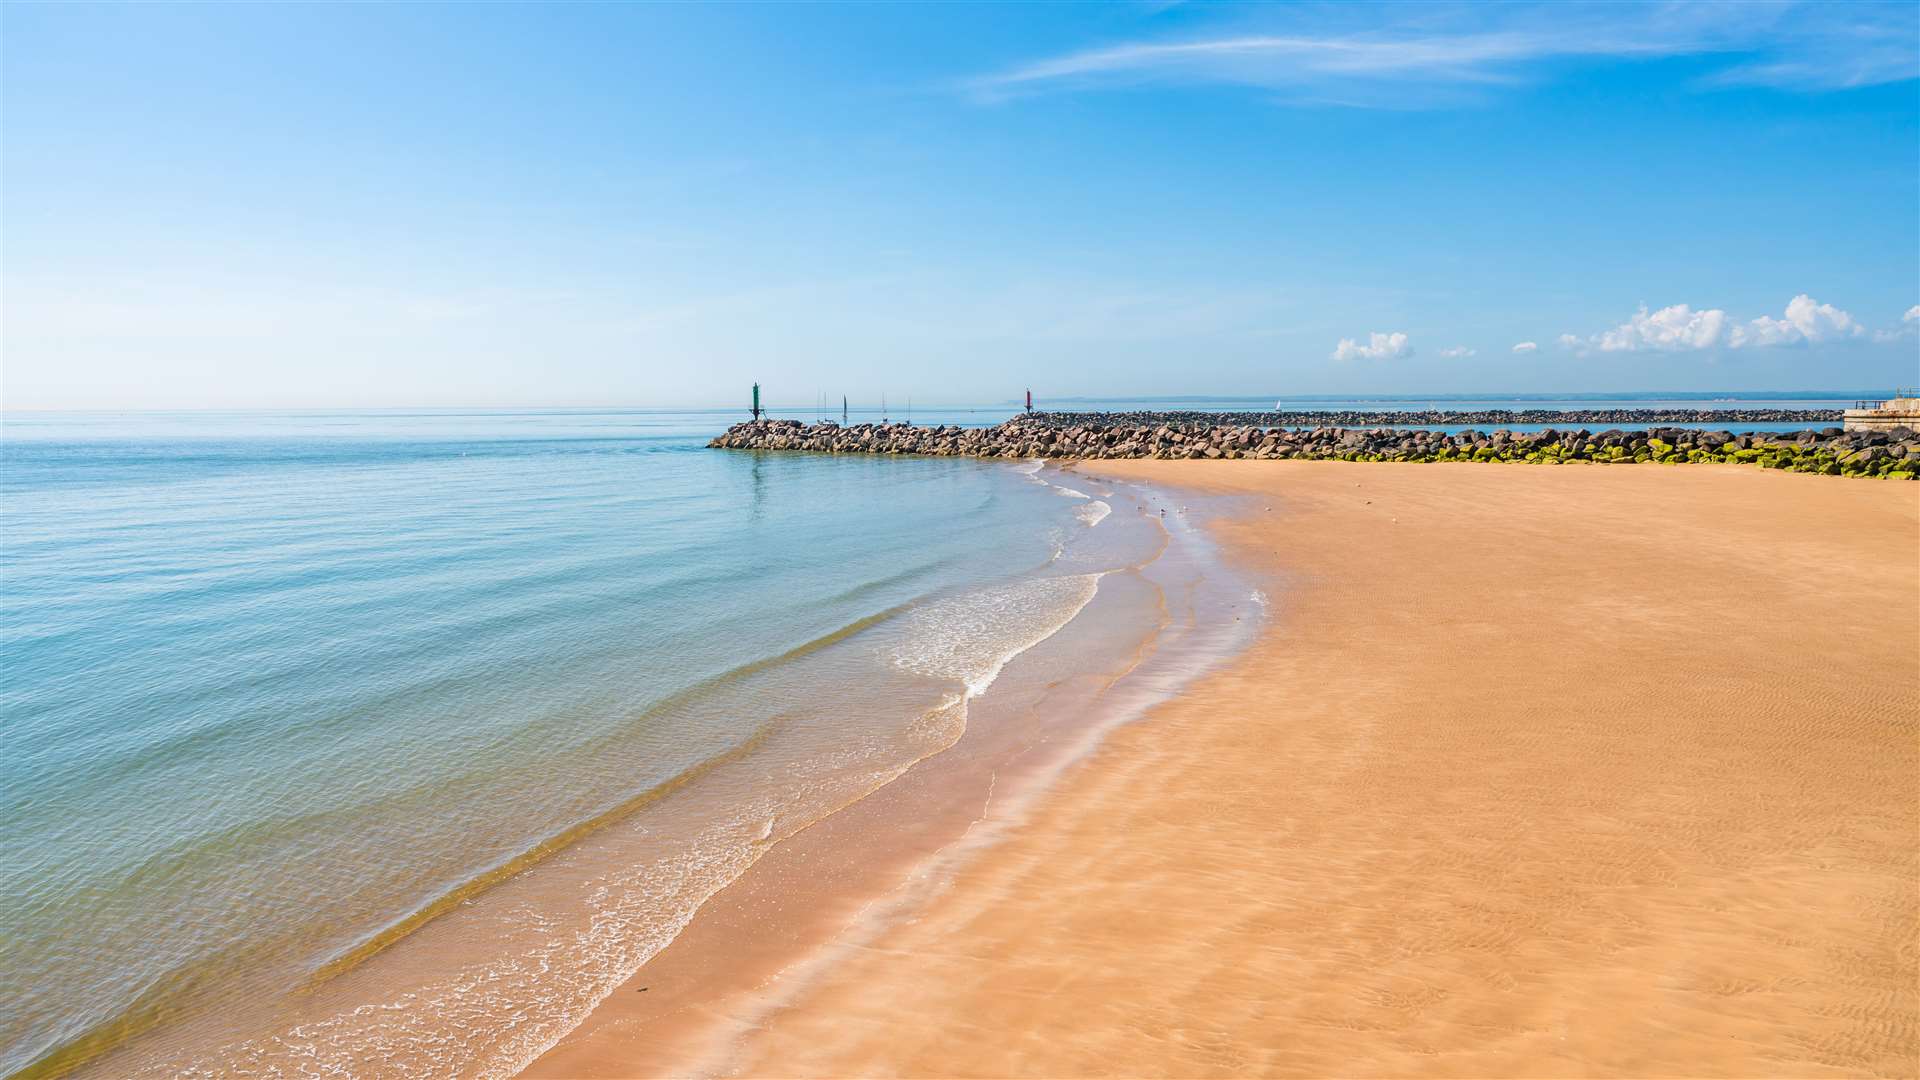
[1031, 469]
[978, 686]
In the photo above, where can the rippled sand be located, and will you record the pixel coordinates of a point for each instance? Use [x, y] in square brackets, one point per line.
[1538, 771]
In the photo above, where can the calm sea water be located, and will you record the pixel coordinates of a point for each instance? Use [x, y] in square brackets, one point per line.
[278, 691]
[276, 686]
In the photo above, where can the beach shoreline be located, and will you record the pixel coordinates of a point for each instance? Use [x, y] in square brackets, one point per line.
[485, 982]
[1547, 772]
[818, 894]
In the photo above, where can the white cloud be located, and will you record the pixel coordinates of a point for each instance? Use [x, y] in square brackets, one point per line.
[1437, 54]
[1681, 328]
[1677, 328]
[1526, 347]
[1459, 352]
[1909, 327]
[1378, 347]
[1806, 322]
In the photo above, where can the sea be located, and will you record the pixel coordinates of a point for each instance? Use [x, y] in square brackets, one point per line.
[336, 742]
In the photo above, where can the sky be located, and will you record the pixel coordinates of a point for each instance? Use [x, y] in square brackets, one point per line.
[287, 206]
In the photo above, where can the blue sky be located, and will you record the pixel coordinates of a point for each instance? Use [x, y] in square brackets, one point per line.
[274, 205]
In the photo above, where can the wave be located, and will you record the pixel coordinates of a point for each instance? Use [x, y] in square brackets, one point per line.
[451, 898]
[156, 1002]
[1031, 470]
[969, 638]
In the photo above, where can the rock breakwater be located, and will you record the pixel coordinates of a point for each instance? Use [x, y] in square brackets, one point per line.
[1446, 417]
[1893, 454]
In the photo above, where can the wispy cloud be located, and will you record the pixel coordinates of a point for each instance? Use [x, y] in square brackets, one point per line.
[1909, 327]
[1398, 56]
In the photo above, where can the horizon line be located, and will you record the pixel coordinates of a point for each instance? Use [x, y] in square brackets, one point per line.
[1821, 394]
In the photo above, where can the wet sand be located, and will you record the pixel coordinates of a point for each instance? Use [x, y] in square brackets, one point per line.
[1536, 771]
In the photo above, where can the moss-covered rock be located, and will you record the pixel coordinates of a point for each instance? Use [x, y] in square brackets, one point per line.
[1829, 452]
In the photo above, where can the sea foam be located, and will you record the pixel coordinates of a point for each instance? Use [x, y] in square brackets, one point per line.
[969, 638]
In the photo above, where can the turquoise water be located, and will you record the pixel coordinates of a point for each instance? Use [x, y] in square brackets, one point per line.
[278, 686]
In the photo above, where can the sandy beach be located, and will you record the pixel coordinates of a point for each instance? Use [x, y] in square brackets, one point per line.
[1535, 771]
[1014, 540]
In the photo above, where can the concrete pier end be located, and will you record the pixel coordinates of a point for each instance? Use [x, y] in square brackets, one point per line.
[1901, 410]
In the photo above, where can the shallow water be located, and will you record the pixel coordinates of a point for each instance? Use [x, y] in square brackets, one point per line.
[281, 689]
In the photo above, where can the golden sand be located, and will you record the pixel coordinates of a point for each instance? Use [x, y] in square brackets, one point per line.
[1537, 771]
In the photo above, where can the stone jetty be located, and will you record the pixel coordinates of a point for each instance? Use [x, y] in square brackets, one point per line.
[1893, 454]
[1448, 417]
